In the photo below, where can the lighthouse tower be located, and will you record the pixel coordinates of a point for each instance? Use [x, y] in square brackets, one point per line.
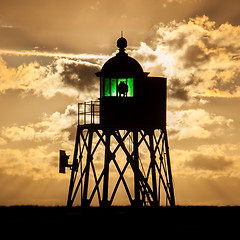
[121, 149]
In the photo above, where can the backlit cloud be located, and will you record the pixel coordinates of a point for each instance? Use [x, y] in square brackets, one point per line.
[51, 128]
[38, 159]
[65, 76]
[196, 56]
[195, 123]
[36, 162]
[206, 162]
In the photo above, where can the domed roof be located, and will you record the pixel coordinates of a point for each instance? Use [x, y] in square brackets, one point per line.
[121, 64]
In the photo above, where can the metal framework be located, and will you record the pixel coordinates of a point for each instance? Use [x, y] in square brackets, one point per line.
[107, 161]
[89, 112]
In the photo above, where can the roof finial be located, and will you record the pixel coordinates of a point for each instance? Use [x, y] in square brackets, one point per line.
[121, 43]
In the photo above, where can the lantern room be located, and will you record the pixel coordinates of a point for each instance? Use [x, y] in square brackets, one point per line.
[128, 97]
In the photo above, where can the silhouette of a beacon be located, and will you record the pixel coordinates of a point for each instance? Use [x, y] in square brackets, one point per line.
[121, 142]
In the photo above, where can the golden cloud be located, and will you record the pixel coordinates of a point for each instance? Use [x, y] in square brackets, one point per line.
[37, 159]
[211, 161]
[66, 76]
[220, 93]
[194, 123]
[196, 56]
[51, 128]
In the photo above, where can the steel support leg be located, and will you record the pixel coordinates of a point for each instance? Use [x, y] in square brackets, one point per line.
[170, 181]
[89, 159]
[153, 168]
[136, 162]
[106, 170]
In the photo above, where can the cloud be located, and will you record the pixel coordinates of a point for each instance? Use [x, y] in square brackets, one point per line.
[196, 56]
[177, 90]
[203, 160]
[83, 56]
[51, 128]
[208, 162]
[222, 191]
[214, 92]
[35, 162]
[69, 77]
[195, 123]
[42, 141]
[31, 150]
[2, 141]
[80, 76]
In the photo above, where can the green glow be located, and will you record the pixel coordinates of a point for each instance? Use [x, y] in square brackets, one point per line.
[130, 87]
[122, 80]
[113, 87]
[107, 87]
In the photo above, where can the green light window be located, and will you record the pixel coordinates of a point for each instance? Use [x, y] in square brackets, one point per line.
[130, 87]
[121, 87]
[113, 87]
[107, 87]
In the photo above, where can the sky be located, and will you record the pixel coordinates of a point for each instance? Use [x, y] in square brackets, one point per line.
[49, 52]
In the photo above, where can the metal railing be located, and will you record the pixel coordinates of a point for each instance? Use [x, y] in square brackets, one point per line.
[89, 112]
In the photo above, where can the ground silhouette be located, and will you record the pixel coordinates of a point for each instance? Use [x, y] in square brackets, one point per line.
[119, 222]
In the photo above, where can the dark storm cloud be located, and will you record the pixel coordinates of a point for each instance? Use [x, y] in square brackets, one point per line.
[208, 162]
[72, 132]
[177, 90]
[62, 75]
[80, 75]
[195, 56]
[178, 42]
